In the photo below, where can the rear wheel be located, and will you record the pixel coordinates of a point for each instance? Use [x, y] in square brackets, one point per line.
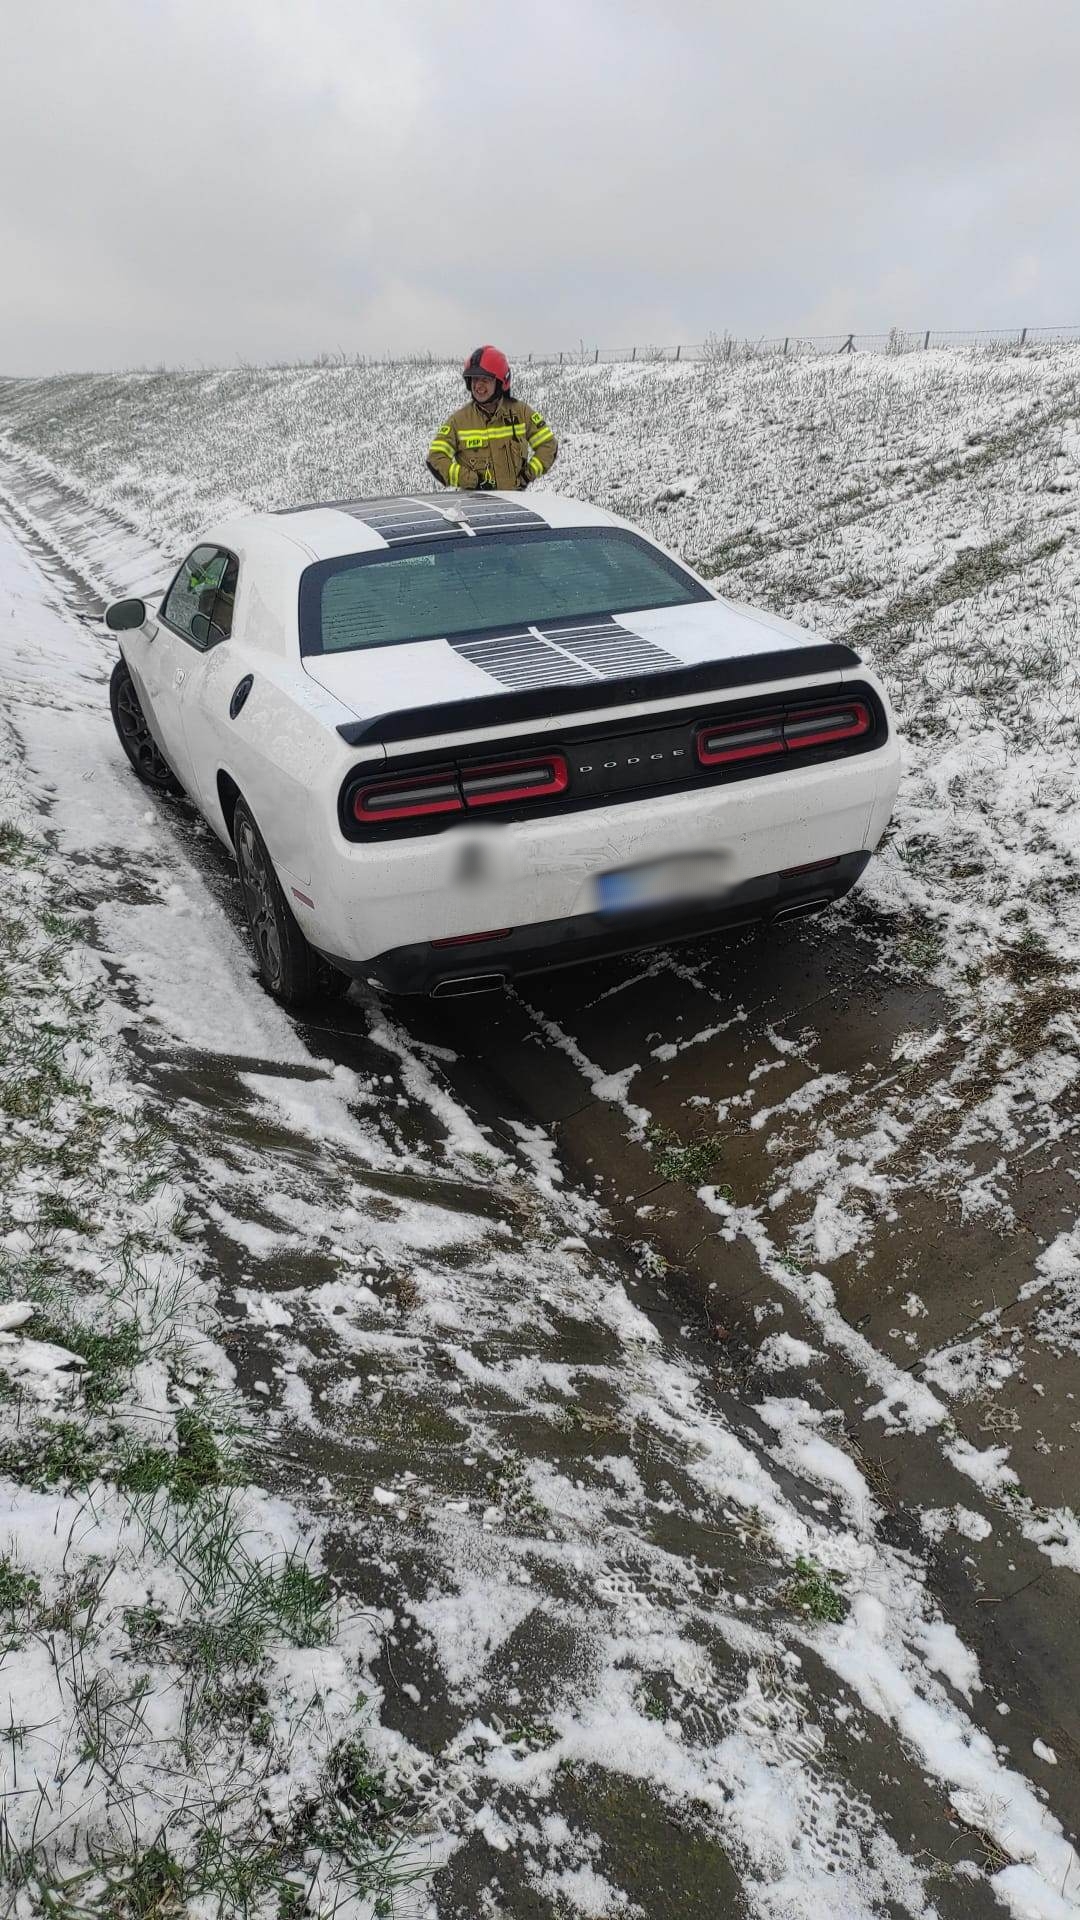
[332, 983]
[289, 968]
[135, 736]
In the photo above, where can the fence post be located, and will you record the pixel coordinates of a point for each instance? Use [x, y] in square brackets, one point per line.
[1023, 336]
[729, 347]
[560, 359]
[596, 356]
[633, 355]
[849, 344]
[786, 339]
[926, 340]
[678, 351]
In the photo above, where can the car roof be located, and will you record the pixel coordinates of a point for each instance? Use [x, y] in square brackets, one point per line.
[329, 528]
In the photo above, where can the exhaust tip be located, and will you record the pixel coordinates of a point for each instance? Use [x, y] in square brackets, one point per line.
[464, 983]
[802, 907]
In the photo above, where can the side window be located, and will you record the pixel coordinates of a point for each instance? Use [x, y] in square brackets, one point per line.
[222, 616]
[199, 604]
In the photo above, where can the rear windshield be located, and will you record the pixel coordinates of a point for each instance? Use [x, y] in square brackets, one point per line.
[433, 589]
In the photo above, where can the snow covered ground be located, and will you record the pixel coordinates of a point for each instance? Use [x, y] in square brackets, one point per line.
[604, 1573]
[924, 505]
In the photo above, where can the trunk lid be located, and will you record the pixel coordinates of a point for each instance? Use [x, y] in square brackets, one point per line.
[586, 659]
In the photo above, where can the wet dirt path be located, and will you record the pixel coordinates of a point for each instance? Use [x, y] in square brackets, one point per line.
[530, 1418]
[823, 1010]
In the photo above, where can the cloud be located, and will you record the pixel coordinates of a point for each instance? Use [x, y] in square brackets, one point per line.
[204, 181]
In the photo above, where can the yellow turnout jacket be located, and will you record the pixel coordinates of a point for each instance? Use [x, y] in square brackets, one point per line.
[510, 443]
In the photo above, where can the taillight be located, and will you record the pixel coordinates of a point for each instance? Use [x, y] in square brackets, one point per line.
[744, 740]
[821, 726]
[459, 789]
[515, 780]
[777, 733]
[408, 799]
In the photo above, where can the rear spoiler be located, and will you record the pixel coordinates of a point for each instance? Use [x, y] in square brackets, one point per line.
[542, 703]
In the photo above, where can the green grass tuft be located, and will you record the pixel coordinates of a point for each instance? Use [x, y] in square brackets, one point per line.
[154, 1887]
[109, 1357]
[690, 1162]
[199, 1463]
[299, 1603]
[57, 1453]
[811, 1591]
[57, 1214]
[15, 848]
[18, 1590]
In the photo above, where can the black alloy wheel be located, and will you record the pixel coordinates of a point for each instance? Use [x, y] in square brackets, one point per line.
[288, 967]
[135, 736]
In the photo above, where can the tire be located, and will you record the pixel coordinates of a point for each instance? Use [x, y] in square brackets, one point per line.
[135, 736]
[332, 983]
[288, 967]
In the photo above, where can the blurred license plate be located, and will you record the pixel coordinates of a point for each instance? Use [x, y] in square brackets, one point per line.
[656, 882]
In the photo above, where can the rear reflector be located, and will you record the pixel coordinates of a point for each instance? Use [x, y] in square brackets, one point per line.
[469, 939]
[776, 733]
[810, 866]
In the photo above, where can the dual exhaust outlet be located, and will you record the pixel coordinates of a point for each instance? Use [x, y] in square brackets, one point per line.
[463, 983]
[457, 986]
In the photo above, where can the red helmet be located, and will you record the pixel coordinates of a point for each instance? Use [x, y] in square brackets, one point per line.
[490, 361]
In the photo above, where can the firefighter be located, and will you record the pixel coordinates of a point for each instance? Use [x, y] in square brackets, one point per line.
[495, 440]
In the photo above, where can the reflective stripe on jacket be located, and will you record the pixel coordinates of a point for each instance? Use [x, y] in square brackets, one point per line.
[502, 442]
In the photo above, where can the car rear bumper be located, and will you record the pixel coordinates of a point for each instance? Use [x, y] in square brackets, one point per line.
[479, 965]
[364, 900]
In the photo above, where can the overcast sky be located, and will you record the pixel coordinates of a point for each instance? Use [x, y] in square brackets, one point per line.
[202, 181]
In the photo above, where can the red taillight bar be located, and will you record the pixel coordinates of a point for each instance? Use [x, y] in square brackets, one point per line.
[408, 799]
[515, 780]
[742, 740]
[457, 789]
[820, 727]
[774, 733]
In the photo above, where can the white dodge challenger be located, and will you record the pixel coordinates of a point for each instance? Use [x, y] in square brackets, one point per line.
[459, 737]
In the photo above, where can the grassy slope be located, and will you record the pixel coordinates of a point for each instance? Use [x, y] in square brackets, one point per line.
[172, 1652]
[923, 506]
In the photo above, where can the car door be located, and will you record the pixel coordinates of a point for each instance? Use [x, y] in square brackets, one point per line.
[173, 658]
[208, 690]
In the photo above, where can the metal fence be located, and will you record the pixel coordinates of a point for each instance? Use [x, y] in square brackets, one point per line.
[728, 346]
[721, 347]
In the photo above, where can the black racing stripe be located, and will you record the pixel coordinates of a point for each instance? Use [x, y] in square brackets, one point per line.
[564, 651]
[609, 648]
[420, 516]
[521, 660]
[488, 512]
[384, 502]
[399, 520]
[395, 518]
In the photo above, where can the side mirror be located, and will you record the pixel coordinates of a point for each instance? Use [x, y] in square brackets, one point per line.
[124, 614]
